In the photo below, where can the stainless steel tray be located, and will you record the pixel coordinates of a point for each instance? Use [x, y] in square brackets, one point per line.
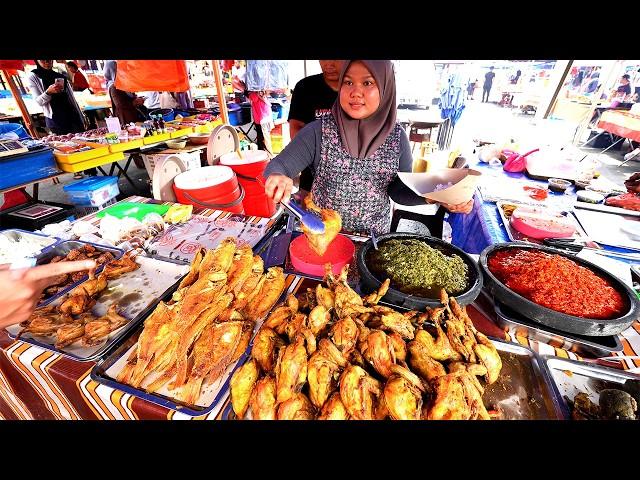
[516, 236]
[62, 248]
[136, 293]
[571, 377]
[522, 392]
[511, 321]
[212, 396]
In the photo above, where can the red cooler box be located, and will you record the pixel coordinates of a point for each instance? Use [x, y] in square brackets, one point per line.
[213, 187]
[249, 170]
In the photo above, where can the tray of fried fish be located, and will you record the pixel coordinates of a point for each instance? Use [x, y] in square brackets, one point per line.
[183, 355]
[329, 353]
[98, 312]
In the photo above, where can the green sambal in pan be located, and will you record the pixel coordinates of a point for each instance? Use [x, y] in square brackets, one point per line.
[415, 268]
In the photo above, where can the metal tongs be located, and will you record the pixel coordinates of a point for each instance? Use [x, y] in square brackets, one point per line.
[571, 246]
[307, 218]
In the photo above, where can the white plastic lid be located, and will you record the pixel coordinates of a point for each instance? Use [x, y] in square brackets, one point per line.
[204, 177]
[248, 156]
[223, 139]
[590, 196]
[165, 171]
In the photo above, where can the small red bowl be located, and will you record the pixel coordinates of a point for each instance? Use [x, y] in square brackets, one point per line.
[305, 260]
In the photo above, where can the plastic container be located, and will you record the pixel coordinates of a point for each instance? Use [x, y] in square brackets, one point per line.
[93, 191]
[213, 187]
[234, 110]
[589, 197]
[249, 169]
[14, 128]
[26, 167]
[190, 159]
[558, 185]
[167, 113]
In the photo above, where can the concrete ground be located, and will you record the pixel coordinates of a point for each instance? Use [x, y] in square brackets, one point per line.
[479, 121]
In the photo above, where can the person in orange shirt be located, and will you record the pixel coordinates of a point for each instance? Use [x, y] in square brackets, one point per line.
[79, 81]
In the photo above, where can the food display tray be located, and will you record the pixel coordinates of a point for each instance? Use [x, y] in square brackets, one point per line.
[97, 150]
[599, 207]
[86, 164]
[509, 320]
[570, 377]
[124, 146]
[137, 293]
[45, 241]
[212, 396]
[161, 137]
[62, 248]
[523, 391]
[181, 242]
[516, 236]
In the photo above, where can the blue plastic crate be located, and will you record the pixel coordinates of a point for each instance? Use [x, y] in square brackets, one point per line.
[92, 191]
[27, 167]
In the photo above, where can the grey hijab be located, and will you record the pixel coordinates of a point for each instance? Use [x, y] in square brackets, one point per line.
[361, 138]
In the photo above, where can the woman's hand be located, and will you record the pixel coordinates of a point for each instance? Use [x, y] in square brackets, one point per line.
[54, 88]
[459, 208]
[278, 188]
[20, 289]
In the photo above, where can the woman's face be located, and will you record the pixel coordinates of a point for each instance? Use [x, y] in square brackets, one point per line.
[47, 64]
[359, 93]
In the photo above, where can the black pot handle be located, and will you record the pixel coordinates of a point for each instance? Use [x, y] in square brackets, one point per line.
[217, 206]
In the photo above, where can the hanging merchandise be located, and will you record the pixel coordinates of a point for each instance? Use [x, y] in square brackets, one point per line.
[152, 75]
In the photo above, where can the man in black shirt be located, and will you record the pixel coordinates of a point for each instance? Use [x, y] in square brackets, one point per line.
[488, 82]
[312, 98]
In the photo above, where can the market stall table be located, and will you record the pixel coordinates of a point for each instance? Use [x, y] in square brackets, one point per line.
[37, 383]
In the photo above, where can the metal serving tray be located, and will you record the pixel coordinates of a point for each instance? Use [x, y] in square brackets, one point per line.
[212, 396]
[523, 391]
[516, 236]
[136, 293]
[62, 248]
[571, 377]
[507, 319]
[45, 241]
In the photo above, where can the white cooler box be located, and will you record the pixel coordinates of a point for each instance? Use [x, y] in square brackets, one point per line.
[190, 159]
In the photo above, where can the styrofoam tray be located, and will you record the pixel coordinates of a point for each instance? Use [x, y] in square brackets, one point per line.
[136, 292]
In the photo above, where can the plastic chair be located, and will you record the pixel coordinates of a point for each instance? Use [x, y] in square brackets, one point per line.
[420, 132]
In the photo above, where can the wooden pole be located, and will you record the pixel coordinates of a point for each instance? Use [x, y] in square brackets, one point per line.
[222, 102]
[23, 108]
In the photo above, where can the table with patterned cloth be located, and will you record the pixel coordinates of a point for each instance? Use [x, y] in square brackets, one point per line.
[621, 123]
[39, 384]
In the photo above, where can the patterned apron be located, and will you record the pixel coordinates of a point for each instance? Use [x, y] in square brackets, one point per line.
[356, 187]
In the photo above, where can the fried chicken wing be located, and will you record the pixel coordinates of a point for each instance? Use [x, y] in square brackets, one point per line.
[399, 346]
[450, 402]
[322, 374]
[334, 409]
[421, 360]
[325, 297]
[263, 400]
[125, 264]
[319, 242]
[291, 369]
[344, 334]
[297, 407]
[76, 304]
[241, 386]
[359, 392]
[403, 394]
[318, 319]
[489, 357]
[379, 352]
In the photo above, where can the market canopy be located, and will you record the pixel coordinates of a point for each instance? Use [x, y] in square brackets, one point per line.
[152, 75]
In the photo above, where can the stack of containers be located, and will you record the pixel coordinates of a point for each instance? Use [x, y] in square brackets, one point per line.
[250, 169]
[214, 187]
[93, 193]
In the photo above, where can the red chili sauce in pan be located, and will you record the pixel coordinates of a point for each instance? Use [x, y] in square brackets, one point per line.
[558, 283]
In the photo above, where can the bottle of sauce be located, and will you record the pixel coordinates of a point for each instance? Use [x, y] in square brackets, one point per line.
[161, 125]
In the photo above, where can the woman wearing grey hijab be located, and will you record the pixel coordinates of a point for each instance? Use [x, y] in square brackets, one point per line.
[355, 153]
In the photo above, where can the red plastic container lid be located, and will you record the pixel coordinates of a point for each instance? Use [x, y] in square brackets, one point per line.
[305, 260]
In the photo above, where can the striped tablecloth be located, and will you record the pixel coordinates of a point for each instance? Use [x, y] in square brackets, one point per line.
[40, 384]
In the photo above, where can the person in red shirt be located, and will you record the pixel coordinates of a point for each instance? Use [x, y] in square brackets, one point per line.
[79, 81]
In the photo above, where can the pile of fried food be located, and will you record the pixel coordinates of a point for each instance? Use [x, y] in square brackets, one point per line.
[207, 324]
[72, 321]
[613, 404]
[319, 242]
[330, 354]
[83, 253]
